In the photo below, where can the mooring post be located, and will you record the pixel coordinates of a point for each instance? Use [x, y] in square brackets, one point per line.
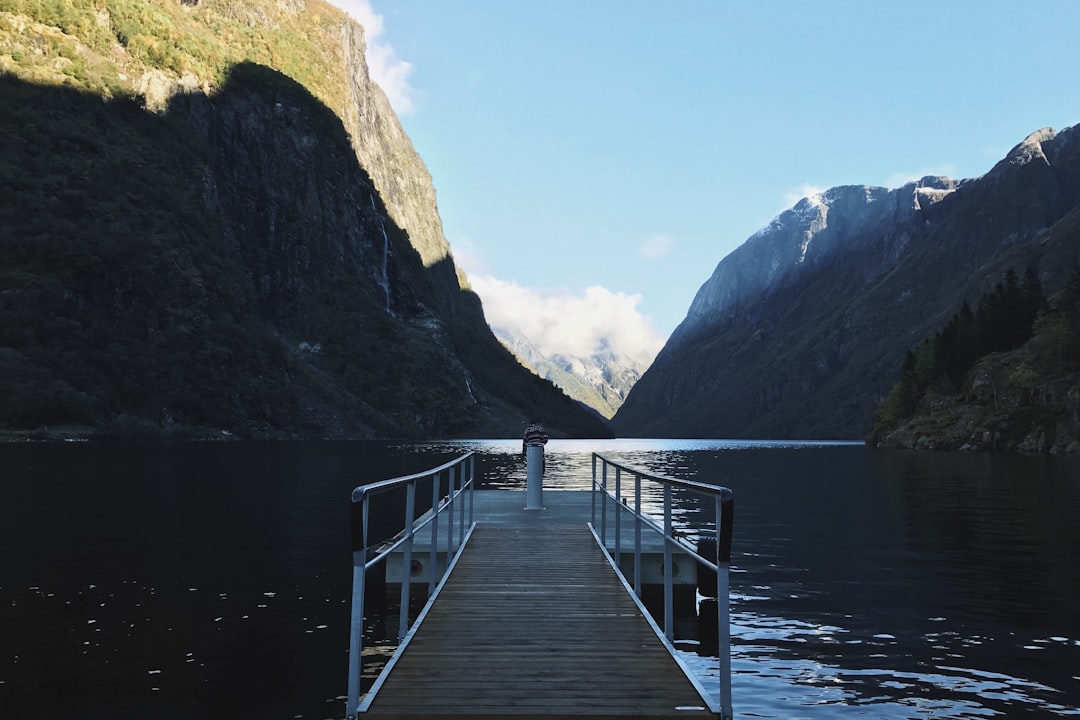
[534, 478]
[532, 447]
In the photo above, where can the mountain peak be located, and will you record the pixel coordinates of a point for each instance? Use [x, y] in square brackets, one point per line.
[837, 220]
[1031, 148]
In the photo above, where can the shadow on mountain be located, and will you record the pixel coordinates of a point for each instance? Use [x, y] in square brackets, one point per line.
[228, 266]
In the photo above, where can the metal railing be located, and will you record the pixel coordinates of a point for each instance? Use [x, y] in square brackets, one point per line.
[724, 505]
[460, 473]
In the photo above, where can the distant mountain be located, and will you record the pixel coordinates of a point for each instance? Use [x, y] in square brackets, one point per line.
[800, 331]
[212, 224]
[600, 380]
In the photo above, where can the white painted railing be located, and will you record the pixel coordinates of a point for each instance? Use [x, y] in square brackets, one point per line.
[460, 486]
[724, 505]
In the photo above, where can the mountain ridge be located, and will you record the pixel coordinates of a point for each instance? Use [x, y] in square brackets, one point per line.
[811, 352]
[802, 236]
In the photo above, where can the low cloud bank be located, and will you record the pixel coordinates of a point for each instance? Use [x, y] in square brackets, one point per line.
[557, 321]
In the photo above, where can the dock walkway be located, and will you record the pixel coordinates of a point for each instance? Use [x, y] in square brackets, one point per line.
[533, 622]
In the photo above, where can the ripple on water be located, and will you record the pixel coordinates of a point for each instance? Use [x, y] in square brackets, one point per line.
[779, 664]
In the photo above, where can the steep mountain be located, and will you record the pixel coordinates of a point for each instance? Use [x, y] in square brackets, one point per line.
[801, 330]
[211, 220]
[1004, 376]
[600, 380]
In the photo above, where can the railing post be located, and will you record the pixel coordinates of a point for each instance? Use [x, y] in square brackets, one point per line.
[406, 558]
[450, 522]
[436, 481]
[637, 535]
[472, 488]
[618, 516]
[464, 500]
[725, 515]
[669, 621]
[603, 502]
[592, 490]
[356, 622]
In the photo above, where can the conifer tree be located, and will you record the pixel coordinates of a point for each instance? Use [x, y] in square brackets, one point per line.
[1005, 320]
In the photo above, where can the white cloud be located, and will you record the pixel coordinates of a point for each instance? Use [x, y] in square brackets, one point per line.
[656, 247]
[796, 194]
[559, 321]
[466, 256]
[390, 72]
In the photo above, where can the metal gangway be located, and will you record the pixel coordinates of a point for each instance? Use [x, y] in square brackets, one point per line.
[524, 616]
[719, 563]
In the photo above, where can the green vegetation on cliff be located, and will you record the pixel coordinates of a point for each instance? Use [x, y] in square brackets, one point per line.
[107, 46]
[1005, 377]
[191, 241]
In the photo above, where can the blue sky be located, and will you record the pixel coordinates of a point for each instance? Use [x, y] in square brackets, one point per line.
[595, 159]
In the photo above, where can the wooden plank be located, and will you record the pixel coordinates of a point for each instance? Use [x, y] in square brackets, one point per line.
[534, 623]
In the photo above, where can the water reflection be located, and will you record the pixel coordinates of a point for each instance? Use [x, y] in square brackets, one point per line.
[880, 584]
[212, 580]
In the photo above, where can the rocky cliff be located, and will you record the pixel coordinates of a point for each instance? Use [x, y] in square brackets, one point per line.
[819, 229]
[600, 380]
[213, 222]
[800, 332]
[388, 155]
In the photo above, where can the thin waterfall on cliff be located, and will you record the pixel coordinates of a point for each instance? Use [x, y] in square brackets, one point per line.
[384, 278]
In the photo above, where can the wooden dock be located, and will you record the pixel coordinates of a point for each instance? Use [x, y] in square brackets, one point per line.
[534, 623]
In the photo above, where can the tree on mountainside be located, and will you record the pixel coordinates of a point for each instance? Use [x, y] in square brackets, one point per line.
[903, 397]
[1005, 320]
[1060, 328]
[1006, 316]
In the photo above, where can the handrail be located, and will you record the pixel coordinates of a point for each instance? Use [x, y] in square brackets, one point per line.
[461, 474]
[725, 511]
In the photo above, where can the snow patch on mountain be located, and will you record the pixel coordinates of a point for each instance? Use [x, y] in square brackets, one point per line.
[600, 380]
[814, 229]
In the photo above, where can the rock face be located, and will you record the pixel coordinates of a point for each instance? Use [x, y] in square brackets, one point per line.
[388, 155]
[800, 331]
[600, 381]
[818, 230]
[236, 239]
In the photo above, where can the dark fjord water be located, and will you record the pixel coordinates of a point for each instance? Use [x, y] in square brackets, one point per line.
[212, 580]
